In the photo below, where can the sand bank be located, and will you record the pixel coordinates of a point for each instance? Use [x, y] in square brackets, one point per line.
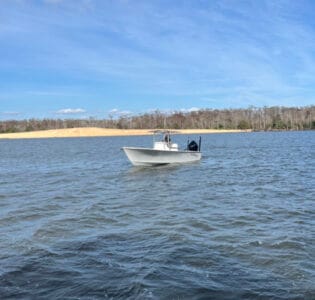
[94, 131]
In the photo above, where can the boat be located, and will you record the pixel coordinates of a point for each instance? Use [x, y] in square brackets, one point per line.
[164, 151]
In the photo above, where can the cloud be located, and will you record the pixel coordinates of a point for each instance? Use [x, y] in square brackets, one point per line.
[157, 53]
[192, 109]
[119, 113]
[62, 93]
[11, 113]
[53, 1]
[170, 111]
[69, 111]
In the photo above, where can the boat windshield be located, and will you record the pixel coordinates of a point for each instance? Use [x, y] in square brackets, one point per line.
[162, 135]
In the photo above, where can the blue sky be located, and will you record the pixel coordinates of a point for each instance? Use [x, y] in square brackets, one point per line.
[82, 58]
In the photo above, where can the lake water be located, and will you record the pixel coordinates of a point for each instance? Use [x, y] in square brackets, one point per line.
[77, 221]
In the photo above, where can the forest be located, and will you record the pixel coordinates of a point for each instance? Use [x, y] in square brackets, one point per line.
[257, 119]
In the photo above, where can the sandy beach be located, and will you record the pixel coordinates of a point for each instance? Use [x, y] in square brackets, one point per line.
[94, 131]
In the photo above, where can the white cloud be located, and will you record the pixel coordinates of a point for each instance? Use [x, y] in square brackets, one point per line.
[53, 1]
[10, 113]
[118, 112]
[113, 111]
[69, 111]
[190, 109]
[50, 93]
[216, 52]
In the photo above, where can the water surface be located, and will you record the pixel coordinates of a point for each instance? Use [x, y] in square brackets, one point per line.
[77, 221]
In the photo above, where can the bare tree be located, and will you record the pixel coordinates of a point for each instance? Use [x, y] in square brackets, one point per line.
[266, 118]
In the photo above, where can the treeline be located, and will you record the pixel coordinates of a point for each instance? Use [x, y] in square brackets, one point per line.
[266, 118]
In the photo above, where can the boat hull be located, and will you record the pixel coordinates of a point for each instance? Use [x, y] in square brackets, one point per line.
[151, 157]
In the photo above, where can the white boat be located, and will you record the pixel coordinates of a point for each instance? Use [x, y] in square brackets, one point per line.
[163, 152]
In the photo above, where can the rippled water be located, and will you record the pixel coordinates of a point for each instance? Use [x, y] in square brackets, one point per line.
[77, 221]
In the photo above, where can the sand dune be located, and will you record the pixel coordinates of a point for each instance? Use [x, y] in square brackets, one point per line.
[94, 131]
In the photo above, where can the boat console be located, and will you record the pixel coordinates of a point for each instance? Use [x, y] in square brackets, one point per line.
[165, 146]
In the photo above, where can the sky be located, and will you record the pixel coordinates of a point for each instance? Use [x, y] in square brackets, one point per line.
[101, 58]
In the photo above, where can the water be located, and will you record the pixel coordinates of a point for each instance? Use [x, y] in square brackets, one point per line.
[77, 221]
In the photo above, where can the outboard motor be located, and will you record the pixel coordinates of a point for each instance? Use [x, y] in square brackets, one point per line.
[192, 146]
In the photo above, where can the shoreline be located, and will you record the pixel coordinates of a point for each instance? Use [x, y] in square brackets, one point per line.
[102, 132]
